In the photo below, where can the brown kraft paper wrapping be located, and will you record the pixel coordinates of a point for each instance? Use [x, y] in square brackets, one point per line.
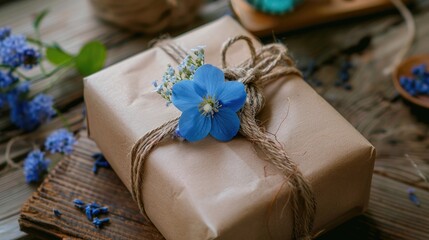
[215, 190]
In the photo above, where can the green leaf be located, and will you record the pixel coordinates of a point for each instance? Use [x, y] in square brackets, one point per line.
[39, 18]
[91, 58]
[56, 55]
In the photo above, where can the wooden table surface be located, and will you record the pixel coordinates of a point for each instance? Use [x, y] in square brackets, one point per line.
[395, 127]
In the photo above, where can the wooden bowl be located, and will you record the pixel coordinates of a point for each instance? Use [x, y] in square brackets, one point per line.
[404, 69]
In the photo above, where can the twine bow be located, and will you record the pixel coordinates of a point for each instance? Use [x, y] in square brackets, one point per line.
[268, 64]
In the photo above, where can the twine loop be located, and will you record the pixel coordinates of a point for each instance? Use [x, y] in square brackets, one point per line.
[265, 65]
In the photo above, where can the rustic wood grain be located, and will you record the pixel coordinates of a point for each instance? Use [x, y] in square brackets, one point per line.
[73, 178]
[394, 126]
[390, 215]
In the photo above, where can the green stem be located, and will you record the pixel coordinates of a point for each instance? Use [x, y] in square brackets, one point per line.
[37, 42]
[6, 66]
[40, 46]
[42, 67]
[46, 74]
[57, 77]
[27, 78]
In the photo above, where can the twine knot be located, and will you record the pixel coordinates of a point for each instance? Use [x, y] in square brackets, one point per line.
[265, 65]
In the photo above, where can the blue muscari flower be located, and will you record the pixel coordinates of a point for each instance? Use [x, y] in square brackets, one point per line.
[6, 80]
[30, 58]
[41, 108]
[28, 115]
[13, 96]
[60, 141]
[4, 33]
[35, 164]
[11, 50]
[20, 117]
[209, 105]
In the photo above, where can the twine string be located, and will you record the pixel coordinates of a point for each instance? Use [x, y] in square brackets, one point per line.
[268, 64]
[9, 147]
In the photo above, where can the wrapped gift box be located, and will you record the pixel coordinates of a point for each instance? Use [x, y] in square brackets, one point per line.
[216, 190]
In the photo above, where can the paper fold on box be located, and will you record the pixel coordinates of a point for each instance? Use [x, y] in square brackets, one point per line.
[215, 190]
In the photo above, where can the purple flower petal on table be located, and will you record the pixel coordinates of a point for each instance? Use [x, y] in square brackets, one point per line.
[225, 125]
[194, 126]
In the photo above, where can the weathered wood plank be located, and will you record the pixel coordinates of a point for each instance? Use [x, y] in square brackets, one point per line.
[394, 127]
[73, 178]
[391, 214]
[13, 190]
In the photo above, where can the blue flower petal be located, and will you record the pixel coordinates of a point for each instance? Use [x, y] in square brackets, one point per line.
[225, 124]
[233, 96]
[184, 96]
[194, 126]
[208, 80]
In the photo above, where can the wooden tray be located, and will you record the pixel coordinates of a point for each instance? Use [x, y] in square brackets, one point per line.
[311, 12]
[390, 211]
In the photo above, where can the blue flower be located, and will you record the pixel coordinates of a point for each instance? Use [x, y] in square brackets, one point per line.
[60, 141]
[4, 33]
[2, 100]
[11, 50]
[209, 105]
[41, 108]
[6, 79]
[30, 58]
[28, 115]
[35, 164]
[19, 116]
[14, 95]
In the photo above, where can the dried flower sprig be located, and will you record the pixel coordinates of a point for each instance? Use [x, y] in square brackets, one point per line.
[185, 71]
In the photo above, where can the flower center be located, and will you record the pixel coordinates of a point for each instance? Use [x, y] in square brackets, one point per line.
[209, 106]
